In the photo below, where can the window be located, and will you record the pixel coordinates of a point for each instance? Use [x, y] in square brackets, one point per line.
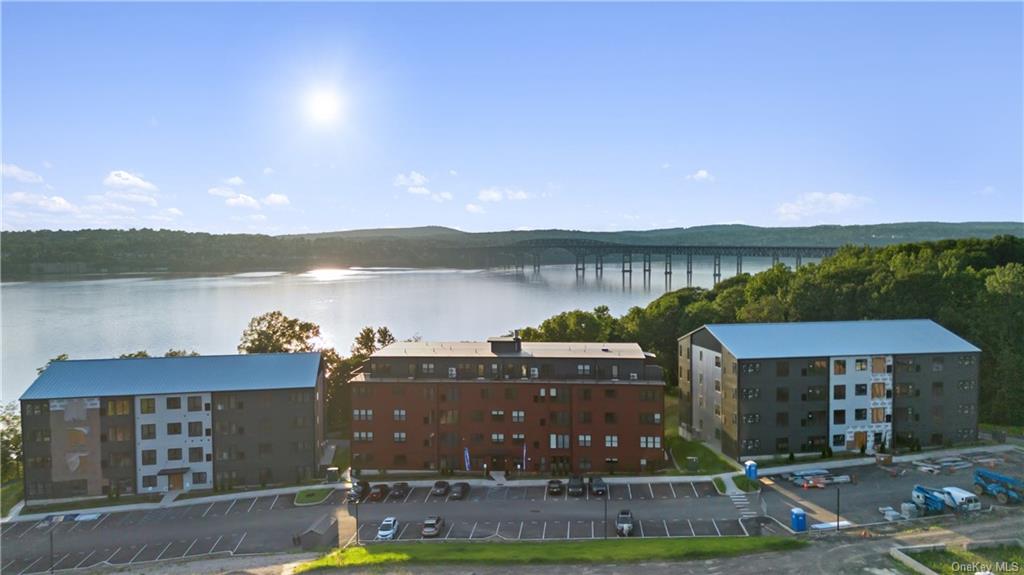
[815, 393]
[583, 369]
[534, 373]
[782, 445]
[195, 454]
[149, 457]
[399, 415]
[199, 478]
[584, 440]
[399, 437]
[518, 438]
[299, 421]
[751, 367]
[751, 392]
[860, 389]
[497, 438]
[878, 390]
[195, 429]
[609, 394]
[615, 372]
[265, 449]
[877, 415]
[116, 407]
[195, 403]
[609, 417]
[174, 428]
[648, 395]
[878, 365]
[966, 385]
[839, 392]
[965, 360]
[40, 436]
[497, 415]
[650, 441]
[449, 417]
[585, 395]
[362, 436]
[937, 389]
[839, 417]
[558, 441]
[174, 454]
[149, 481]
[518, 416]
[427, 368]
[815, 367]
[860, 414]
[362, 415]
[40, 408]
[861, 364]
[781, 369]
[148, 431]
[782, 419]
[611, 440]
[147, 405]
[585, 417]
[173, 403]
[718, 360]
[782, 394]
[751, 445]
[938, 363]
[452, 373]
[838, 440]
[650, 418]
[718, 385]
[839, 367]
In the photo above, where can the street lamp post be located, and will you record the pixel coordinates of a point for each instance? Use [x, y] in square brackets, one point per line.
[606, 513]
[355, 505]
[837, 508]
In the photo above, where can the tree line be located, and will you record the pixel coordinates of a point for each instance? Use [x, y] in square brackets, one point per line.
[973, 287]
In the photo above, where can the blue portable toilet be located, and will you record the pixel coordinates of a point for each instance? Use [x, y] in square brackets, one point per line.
[750, 467]
[798, 520]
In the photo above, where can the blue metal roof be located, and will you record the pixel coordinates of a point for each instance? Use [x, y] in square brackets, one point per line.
[162, 375]
[838, 338]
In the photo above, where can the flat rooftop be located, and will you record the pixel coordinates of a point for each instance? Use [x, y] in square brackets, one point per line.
[530, 349]
[167, 375]
[838, 338]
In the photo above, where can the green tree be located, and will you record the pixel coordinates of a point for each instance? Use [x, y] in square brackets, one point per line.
[61, 357]
[134, 355]
[180, 353]
[274, 332]
[10, 441]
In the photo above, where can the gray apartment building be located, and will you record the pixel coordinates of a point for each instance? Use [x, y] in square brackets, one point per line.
[148, 425]
[753, 390]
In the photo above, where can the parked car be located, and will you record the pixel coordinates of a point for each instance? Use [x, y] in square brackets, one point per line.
[388, 529]
[358, 490]
[440, 489]
[400, 489]
[460, 490]
[555, 487]
[432, 526]
[379, 492]
[576, 487]
[598, 487]
[624, 523]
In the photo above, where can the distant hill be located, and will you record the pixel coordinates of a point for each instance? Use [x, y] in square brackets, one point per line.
[45, 253]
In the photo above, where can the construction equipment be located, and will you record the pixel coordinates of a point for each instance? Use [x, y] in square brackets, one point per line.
[1005, 488]
[929, 500]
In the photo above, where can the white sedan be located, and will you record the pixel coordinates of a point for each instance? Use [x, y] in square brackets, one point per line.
[388, 529]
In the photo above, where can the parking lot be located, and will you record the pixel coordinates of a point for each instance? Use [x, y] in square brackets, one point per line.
[637, 491]
[245, 525]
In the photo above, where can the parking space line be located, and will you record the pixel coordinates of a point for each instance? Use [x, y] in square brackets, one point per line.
[545, 494]
[275, 501]
[692, 532]
[30, 565]
[743, 527]
[716, 528]
[427, 497]
[209, 508]
[565, 494]
[215, 543]
[104, 518]
[630, 489]
[674, 496]
[665, 523]
[641, 524]
[473, 530]
[695, 494]
[592, 530]
[228, 510]
[544, 530]
[164, 551]
[190, 547]
[77, 523]
[58, 562]
[116, 551]
[253, 504]
[521, 524]
[408, 494]
[651, 489]
[84, 560]
[450, 527]
[4, 567]
[568, 533]
[404, 527]
[29, 529]
[239, 544]
[138, 553]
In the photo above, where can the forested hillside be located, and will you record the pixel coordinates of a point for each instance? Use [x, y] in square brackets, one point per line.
[973, 287]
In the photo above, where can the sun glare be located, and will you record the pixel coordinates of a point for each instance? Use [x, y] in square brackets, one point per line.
[323, 106]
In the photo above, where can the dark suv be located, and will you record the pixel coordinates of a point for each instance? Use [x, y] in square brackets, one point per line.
[555, 487]
[440, 489]
[598, 487]
[576, 487]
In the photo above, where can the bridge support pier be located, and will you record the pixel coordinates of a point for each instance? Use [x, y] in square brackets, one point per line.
[668, 264]
[599, 265]
[647, 264]
[689, 270]
[518, 263]
[718, 269]
[536, 262]
[627, 264]
[799, 261]
[581, 264]
[775, 259]
[739, 264]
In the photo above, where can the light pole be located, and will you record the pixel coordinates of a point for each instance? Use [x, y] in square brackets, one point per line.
[355, 505]
[837, 508]
[485, 471]
[606, 512]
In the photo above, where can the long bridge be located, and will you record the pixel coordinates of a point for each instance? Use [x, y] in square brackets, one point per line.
[584, 249]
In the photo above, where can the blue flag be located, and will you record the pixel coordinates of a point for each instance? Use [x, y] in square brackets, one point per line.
[465, 457]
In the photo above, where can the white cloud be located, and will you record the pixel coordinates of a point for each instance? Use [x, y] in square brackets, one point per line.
[122, 180]
[453, 173]
[235, 181]
[441, 197]
[666, 166]
[53, 204]
[174, 212]
[516, 195]
[413, 178]
[130, 197]
[243, 201]
[222, 192]
[21, 174]
[986, 191]
[418, 190]
[276, 200]
[474, 209]
[490, 195]
[268, 171]
[816, 203]
[701, 175]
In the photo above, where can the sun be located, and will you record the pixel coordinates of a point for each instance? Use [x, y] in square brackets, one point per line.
[323, 106]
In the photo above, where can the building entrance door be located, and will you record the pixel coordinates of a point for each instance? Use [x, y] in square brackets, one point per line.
[174, 482]
[860, 439]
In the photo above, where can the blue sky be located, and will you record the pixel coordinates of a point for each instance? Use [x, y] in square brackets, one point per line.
[487, 117]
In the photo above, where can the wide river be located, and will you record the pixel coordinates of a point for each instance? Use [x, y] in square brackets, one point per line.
[107, 317]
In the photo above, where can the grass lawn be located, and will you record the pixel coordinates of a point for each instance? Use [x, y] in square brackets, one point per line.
[611, 551]
[719, 484]
[942, 561]
[1017, 430]
[90, 503]
[342, 458]
[708, 461]
[311, 496]
[745, 484]
[10, 495]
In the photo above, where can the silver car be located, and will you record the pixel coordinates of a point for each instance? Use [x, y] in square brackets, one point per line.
[388, 529]
[432, 526]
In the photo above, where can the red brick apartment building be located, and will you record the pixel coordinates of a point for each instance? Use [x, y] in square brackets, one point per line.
[509, 405]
